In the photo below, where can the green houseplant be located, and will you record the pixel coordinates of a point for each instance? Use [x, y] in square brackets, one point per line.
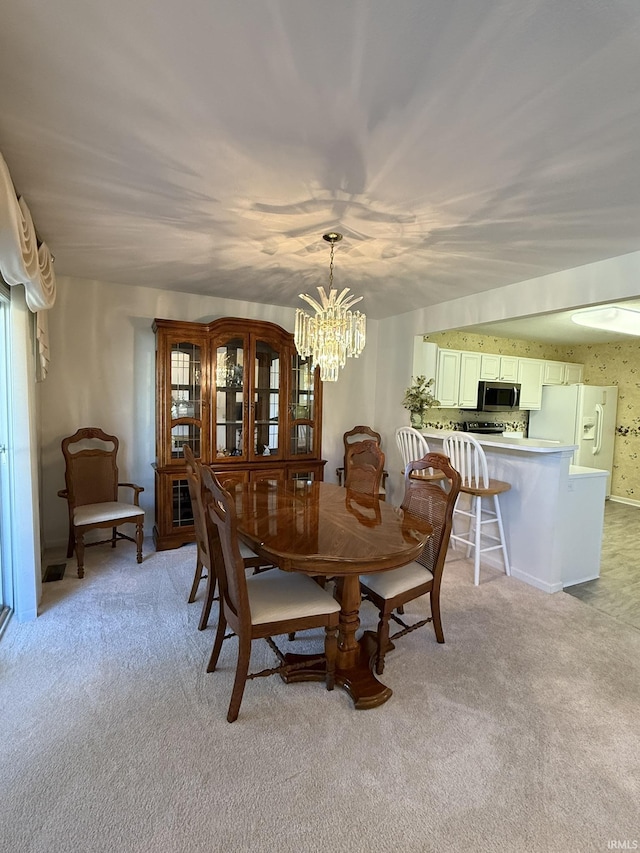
[418, 399]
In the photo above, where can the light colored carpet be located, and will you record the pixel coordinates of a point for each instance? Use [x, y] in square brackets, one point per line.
[521, 733]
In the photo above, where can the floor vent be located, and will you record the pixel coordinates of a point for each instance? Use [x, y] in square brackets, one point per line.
[54, 572]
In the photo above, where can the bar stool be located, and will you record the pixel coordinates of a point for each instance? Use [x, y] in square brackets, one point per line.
[468, 458]
[411, 444]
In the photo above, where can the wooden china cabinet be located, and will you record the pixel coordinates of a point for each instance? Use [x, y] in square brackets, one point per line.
[238, 392]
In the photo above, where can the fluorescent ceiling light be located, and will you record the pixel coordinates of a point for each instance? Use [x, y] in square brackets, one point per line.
[611, 318]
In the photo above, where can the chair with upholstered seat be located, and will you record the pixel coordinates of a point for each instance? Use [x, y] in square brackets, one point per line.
[468, 457]
[366, 457]
[92, 492]
[432, 499]
[203, 560]
[263, 605]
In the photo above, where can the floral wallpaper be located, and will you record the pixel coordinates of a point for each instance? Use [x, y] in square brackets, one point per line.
[616, 363]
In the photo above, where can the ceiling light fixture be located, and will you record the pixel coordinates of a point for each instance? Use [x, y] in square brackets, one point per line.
[611, 318]
[335, 333]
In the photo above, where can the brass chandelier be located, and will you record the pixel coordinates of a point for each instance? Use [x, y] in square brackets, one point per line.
[334, 333]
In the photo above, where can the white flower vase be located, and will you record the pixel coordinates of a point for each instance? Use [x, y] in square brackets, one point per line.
[416, 420]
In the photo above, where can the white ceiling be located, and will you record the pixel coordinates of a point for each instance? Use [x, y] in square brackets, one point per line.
[205, 146]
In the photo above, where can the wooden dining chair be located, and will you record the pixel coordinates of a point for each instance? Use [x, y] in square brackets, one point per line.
[264, 605]
[203, 556]
[92, 493]
[433, 500]
[367, 456]
[364, 466]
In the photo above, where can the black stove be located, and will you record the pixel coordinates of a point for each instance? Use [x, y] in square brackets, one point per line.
[486, 427]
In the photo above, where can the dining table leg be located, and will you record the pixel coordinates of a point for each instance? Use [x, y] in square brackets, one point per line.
[354, 658]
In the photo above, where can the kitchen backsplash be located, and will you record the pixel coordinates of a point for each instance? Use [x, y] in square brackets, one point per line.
[604, 364]
[448, 419]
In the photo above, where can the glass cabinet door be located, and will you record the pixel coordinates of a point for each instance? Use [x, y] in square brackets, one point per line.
[229, 383]
[302, 407]
[266, 399]
[186, 397]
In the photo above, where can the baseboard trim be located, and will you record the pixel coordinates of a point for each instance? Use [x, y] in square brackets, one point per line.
[529, 579]
[619, 500]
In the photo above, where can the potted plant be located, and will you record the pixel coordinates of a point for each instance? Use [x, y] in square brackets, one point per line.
[418, 399]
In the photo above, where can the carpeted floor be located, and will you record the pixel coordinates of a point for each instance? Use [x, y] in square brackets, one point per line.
[521, 733]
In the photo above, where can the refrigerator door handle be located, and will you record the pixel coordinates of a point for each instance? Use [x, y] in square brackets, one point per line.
[597, 444]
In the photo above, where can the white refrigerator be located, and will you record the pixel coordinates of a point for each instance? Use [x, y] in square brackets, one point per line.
[579, 414]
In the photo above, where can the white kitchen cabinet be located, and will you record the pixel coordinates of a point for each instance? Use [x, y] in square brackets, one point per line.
[573, 373]
[503, 368]
[553, 373]
[457, 379]
[448, 378]
[530, 376]
[562, 373]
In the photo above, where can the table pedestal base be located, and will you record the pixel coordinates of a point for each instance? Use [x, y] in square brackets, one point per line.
[358, 681]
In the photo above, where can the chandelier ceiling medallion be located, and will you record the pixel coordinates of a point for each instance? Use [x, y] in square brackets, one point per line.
[335, 333]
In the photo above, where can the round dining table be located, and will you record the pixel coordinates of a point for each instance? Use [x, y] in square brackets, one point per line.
[321, 529]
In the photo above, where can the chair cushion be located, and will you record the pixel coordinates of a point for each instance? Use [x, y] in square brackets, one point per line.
[397, 581]
[114, 511]
[277, 596]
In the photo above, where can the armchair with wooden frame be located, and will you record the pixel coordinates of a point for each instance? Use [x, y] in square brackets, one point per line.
[433, 500]
[91, 477]
[363, 466]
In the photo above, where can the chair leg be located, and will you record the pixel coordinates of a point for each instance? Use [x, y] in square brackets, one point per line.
[70, 542]
[242, 670]
[208, 599]
[80, 553]
[383, 642]
[478, 532]
[330, 652]
[507, 567]
[114, 530]
[196, 580]
[139, 540]
[217, 645]
[435, 613]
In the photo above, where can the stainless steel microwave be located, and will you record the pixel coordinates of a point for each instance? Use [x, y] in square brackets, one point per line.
[498, 396]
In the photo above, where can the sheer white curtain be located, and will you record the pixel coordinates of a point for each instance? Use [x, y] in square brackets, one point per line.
[24, 261]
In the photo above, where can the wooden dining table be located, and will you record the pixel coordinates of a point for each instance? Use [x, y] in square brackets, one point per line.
[321, 529]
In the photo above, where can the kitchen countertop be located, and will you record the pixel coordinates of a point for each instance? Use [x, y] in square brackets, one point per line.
[526, 445]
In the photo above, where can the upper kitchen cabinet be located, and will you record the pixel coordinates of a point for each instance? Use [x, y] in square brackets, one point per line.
[457, 379]
[503, 368]
[530, 376]
[562, 373]
[240, 395]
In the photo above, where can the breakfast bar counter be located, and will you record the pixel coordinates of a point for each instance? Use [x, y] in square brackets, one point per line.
[553, 514]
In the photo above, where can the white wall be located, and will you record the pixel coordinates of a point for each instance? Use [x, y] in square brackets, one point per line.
[102, 374]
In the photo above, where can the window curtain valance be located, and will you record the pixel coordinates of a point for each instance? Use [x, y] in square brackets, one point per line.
[23, 261]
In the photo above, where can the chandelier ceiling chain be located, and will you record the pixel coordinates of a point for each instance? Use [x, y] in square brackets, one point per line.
[335, 333]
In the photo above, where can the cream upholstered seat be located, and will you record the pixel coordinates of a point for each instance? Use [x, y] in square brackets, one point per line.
[203, 561]
[92, 489]
[264, 605]
[432, 498]
[468, 457]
